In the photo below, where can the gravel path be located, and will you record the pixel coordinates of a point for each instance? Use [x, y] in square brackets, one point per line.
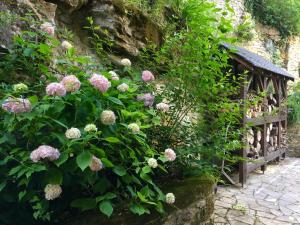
[271, 198]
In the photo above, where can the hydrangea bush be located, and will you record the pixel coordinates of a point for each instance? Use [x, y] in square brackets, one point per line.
[76, 137]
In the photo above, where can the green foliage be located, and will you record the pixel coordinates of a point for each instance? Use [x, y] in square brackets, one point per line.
[203, 120]
[294, 105]
[126, 175]
[282, 15]
[244, 30]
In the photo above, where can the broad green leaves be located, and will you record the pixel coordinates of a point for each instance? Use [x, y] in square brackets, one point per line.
[84, 160]
[106, 208]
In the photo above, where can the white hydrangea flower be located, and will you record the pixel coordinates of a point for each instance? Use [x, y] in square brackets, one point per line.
[126, 62]
[163, 107]
[134, 128]
[123, 87]
[52, 191]
[170, 154]
[66, 45]
[170, 198]
[20, 87]
[73, 133]
[90, 128]
[96, 164]
[152, 162]
[114, 75]
[108, 117]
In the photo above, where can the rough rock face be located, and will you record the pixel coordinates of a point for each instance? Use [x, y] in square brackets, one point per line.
[129, 28]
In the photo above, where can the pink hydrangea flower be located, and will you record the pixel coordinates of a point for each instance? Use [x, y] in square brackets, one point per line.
[48, 28]
[170, 154]
[163, 107]
[56, 89]
[148, 99]
[147, 76]
[17, 105]
[71, 83]
[100, 82]
[44, 152]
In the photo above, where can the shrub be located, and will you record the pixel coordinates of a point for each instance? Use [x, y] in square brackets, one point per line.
[282, 15]
[71, 137]
[202, 120]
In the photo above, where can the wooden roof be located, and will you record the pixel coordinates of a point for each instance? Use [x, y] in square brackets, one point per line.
[256, 60]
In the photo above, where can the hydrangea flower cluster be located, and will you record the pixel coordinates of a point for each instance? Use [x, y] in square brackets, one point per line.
[170, 198]
[123, 87]
[52, 191]
[100, 82]
[134, 128]
[44, 152]
[66, 45]
[89, 128]
[147, 76]
[48, 28]
[56, 89]
[96, 164]
[163, 107]
[73, 133]
[20, 87]
[170, 154]
[114, 75]
[152, 162]
[147, 98]
[126, 62]
[71, 83]
[108, 117]
[16, 105]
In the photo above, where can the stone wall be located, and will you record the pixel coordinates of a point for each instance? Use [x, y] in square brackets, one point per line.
[194, 205]
[294, 56]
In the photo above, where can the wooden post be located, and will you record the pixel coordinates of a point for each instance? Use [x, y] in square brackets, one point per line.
[264, 135]
[243, 164]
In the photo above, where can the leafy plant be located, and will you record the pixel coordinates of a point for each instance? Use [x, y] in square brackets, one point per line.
[244, 30]
[203, 120]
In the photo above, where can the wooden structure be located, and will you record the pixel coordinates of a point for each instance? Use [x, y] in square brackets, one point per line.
[265, 117]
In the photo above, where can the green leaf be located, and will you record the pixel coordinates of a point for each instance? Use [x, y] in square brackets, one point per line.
[115, 100]
[21, 195]
[107, 162]
[84, 160]
[112, 139]
[107, 196]
[2, 185]
[119, 170]
[62, 159]
[84, 203]
[146, 169]
[27, 52]
[106, 208]
[138, 209]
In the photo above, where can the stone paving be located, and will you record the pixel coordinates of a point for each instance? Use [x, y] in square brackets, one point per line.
[272, 198]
